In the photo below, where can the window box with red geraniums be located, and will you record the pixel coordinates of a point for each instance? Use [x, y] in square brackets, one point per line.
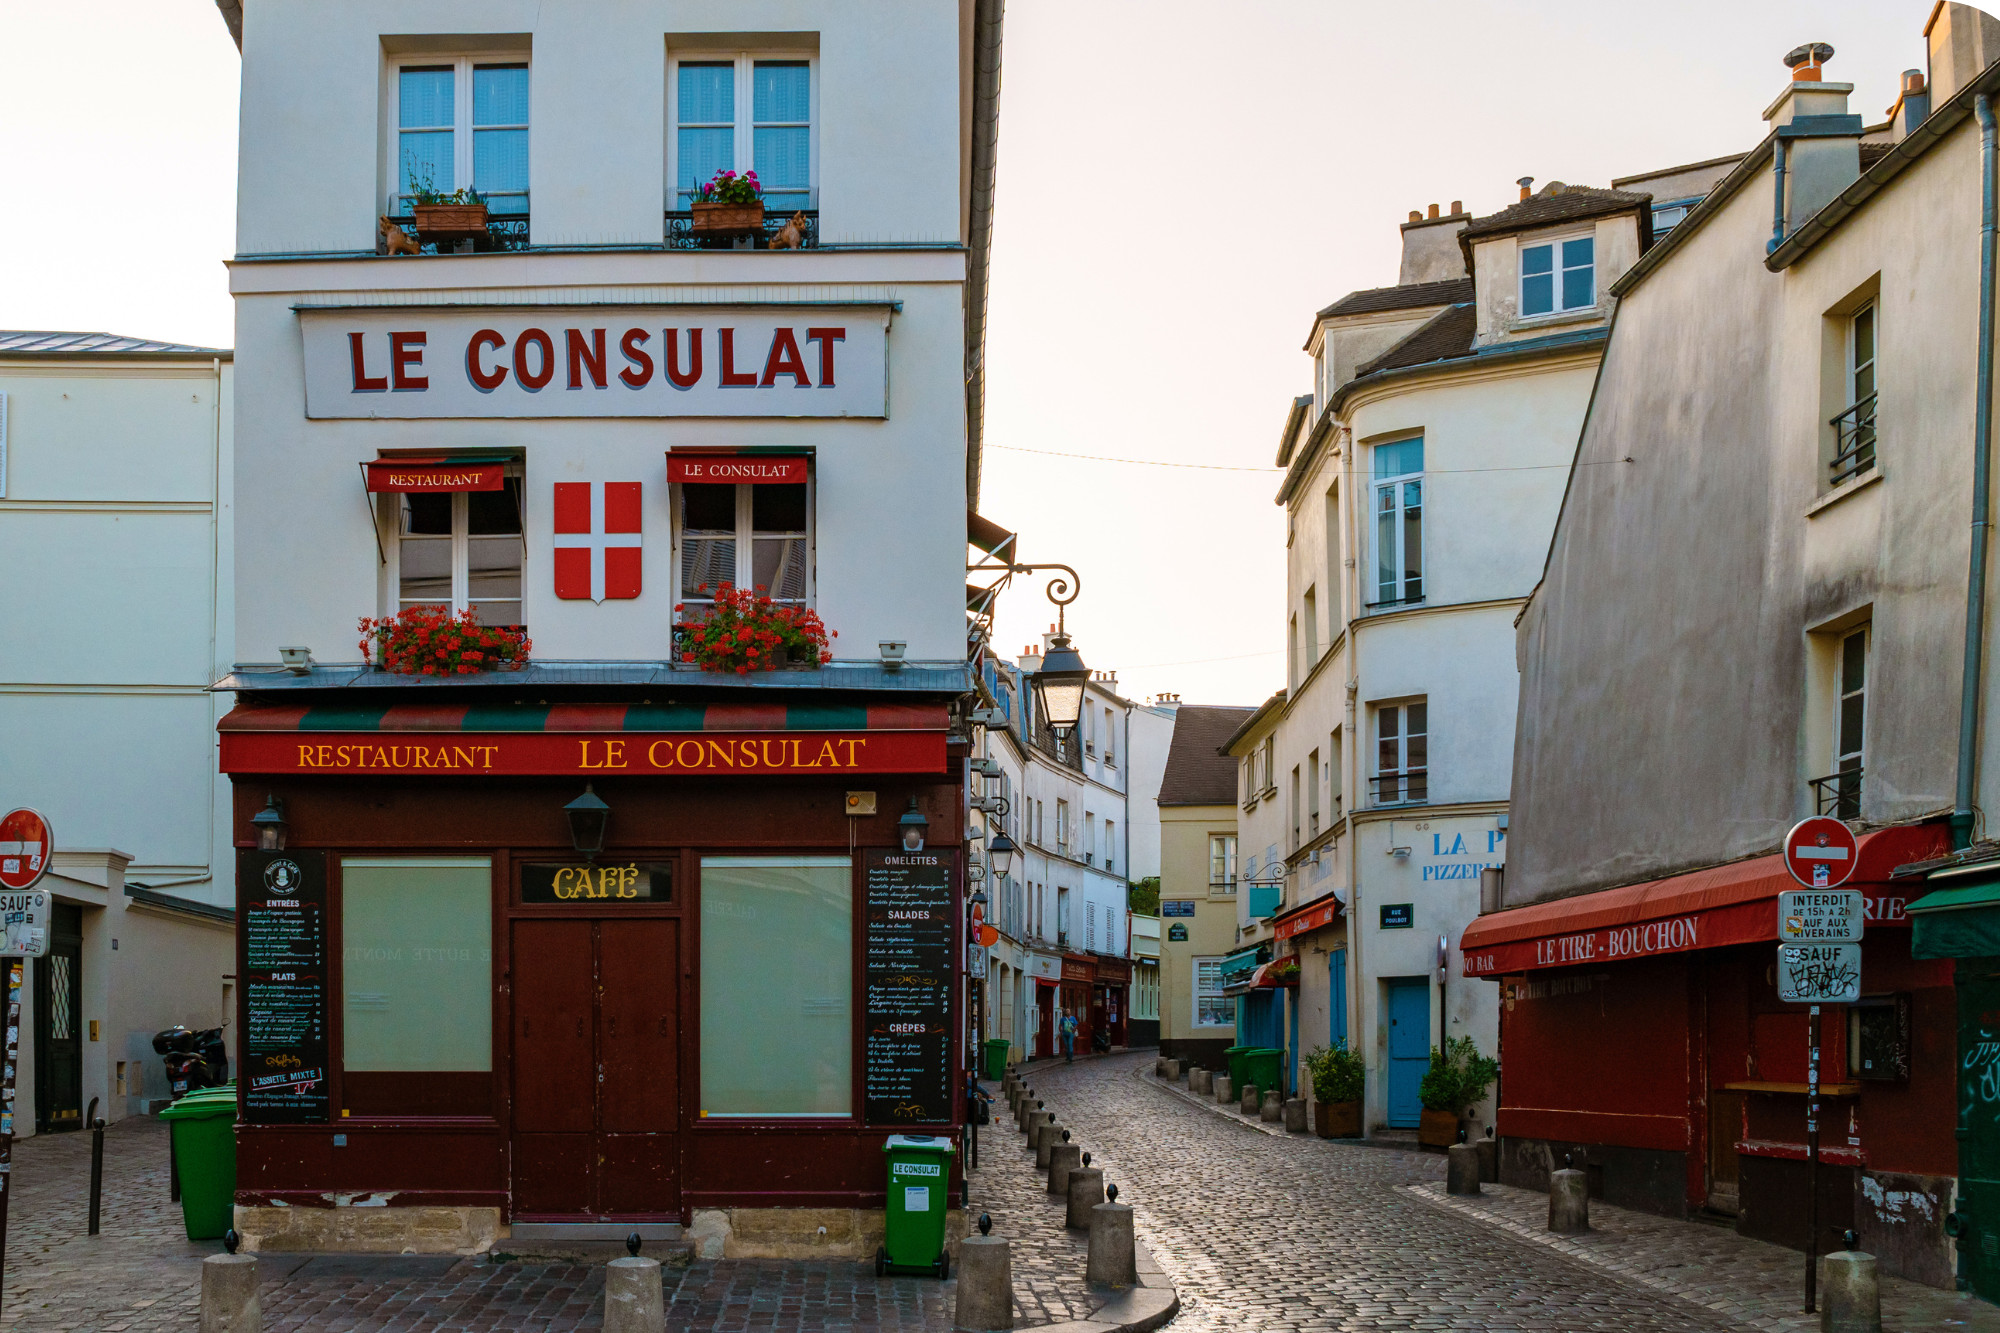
[746, 631]
[430, 641]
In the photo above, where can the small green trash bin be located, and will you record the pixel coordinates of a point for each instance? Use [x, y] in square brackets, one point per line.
[996, 1057]
[1263, 1068]
[919, 1196]
[204, 1146]
[1233, 1057]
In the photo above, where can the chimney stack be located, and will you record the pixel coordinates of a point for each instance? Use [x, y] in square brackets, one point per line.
[1431, 252]
[1963, 42]
[1912, 107]
[1820, 141]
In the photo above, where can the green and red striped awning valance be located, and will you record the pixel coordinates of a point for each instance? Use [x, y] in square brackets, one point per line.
[584, 738]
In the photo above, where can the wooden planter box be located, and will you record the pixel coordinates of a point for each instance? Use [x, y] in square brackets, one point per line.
[1437, 1129]
[450, 222]
[1337, 1120]
[727, 219]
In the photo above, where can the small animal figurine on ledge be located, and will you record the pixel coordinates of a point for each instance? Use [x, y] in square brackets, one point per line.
[398, 241]
[792, 235]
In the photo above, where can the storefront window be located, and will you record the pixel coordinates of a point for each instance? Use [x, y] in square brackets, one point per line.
[417, 963]
[776, 980]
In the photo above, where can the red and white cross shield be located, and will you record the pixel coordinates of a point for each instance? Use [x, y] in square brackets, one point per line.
[597, 540]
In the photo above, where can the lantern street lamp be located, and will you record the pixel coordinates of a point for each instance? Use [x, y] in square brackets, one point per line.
[1000, 851]
[588, 816]
[912, 827]
[270, 825]
[1059, 685]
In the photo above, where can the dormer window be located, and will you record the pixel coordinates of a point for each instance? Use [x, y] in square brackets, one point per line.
[1558, 276]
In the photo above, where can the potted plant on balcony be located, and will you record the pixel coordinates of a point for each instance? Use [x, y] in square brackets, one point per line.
[447, 216]
[1338, 1076]
[746, 631]
[430, 641]
[1459, 1076]
[729, 205]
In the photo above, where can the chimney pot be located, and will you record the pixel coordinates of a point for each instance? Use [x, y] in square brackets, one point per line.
[1805, 61]
[1913, 80]
[1457, 207]
[1416, 215]
[1527, 184]
[1434, 210]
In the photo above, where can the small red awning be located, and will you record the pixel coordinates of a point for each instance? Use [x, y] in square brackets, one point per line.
[1704, 909]
[727, 469]
[1313, 915]
[433, 474]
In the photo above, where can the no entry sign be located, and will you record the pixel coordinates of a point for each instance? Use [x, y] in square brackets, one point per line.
[1820, 852]
[25, 847]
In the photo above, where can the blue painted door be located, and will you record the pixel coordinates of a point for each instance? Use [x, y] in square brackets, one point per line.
[1409, 1048]
[1336, 970]
[1292, 1046]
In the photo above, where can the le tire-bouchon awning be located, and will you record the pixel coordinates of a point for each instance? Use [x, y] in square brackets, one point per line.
[1704, 909]
[584, 739]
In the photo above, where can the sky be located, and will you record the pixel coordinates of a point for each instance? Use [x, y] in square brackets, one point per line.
[1181, 185]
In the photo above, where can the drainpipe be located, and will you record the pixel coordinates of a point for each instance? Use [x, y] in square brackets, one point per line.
[1982, 439]
[1777, 196]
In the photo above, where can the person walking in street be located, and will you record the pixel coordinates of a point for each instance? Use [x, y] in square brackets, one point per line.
[1068, 1026]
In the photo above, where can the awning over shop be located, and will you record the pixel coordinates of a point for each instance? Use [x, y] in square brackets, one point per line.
[738, 469]
[1278, 974]
[1958, 921]
[988, 536]
[1239, 969]
[1312, 916]
[435, 473]
[1705, 909]
[584, 738]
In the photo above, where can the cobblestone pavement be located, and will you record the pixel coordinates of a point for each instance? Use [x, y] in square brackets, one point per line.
[1274, 1232]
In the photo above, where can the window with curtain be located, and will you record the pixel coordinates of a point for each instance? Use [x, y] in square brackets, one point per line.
[461, 550]
[777, 938]
[745, 113]
[748, 536]
[1399, 522]
[463, 124]
[416, 949]
[1211, 1008]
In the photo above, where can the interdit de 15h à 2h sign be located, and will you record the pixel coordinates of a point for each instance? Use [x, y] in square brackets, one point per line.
[597, 361]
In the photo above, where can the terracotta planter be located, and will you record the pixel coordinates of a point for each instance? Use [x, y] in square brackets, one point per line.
[727, 219]
[1337, 1120]
[450, 222]
[1437, 1129]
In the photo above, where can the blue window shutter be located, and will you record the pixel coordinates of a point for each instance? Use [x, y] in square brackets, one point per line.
[1336, 963]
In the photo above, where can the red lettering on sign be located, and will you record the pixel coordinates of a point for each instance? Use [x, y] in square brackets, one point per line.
[641, 369]
[585, 357]
[731, 377]
[484, 380]
[785, 360]
[363, 382]
[673, 366]
[406, 353]
[826, 338]
[546, 372]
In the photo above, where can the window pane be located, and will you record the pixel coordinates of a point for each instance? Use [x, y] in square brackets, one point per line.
[708, 94]
[500, 163]
[1399, 459]
[495, 513]
[428, 162]
[1850, 725]
[778, 565]
[417, 963]
[425, 575]
[1419, 718]
[1864, 337]
[783, 158]
[1413, 540]
[702, 154]
[1538, 259]
[706, 564]
[496, 567]
[1578, 288]
[708, 508]
[500, 95]
[1577, 253]
[425, 98]
[1538, 295]
[776, 509]
[782, 91]
[1853, 663]
[427, 514]
[1385, 545]
[776, 977]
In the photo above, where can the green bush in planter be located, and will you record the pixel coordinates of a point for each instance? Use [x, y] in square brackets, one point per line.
[1459, 1076]
[1337, 1074]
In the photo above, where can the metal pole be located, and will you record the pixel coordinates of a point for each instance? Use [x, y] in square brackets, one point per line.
[1812, 1158]
[96, 1162]
[15, 967]
[1962, 816]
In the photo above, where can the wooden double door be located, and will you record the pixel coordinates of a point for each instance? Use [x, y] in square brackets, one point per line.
[596, 1069]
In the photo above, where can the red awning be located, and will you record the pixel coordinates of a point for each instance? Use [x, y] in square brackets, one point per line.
[727, 469]
[433, 474]
[1705, 909]
[1313, 915]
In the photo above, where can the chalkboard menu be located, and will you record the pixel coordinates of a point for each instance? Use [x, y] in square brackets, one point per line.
[909, 978]
[281, 905]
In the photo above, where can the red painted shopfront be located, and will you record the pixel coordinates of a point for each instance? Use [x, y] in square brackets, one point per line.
[1641, 1031]
[683, 1021]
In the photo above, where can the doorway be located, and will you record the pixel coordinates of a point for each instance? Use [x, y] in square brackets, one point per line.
[596, 1069]
[1409, 1005]
[59, 1023]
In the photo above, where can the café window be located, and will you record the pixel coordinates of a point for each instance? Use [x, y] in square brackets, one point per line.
[457, 550]
[416, 950]
[746, 536]
[777, 977]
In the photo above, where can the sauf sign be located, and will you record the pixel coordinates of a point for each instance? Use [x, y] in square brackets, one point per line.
[597, 361]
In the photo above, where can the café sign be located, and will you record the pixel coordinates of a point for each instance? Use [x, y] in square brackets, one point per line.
[597, 361]
[490, 754]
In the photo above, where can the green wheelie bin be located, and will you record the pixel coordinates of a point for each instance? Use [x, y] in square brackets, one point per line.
[996, 1057]
[1233, 1057]
[204, 1146]
[919, 1196]
[1263, 1068]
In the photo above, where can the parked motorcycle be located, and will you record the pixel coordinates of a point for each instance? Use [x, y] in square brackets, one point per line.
[194, 1059]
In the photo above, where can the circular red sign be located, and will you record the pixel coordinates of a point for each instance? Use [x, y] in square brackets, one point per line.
[25, 847]
[1820, 852]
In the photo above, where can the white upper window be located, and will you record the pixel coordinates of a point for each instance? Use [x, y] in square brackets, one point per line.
[462, 124]
[747, 536]
[745, 113]
[1399, 523]
[458, 551]
[1402, 753]
[1558, 276]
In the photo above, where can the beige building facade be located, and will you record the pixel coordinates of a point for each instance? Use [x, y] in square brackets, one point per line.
[1198, 885]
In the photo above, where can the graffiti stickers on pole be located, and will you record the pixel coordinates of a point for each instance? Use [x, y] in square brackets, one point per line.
[1819, 973]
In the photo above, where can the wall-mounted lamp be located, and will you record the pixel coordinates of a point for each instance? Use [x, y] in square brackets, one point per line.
[588, 818]
[1402, 853]
[1001, 850]
[298, 661]
[892, 651]
[270, 825]
[912, 827]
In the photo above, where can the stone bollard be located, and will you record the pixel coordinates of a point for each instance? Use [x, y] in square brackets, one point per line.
[1113, 1259]
[633, 1299]
[1489, 1160]
[1850, 1292]
[985, 1281]
[1569, 1201]
[1064, 1158]
[1201, 1082]
[1250, 1100]
[1021, 1111]
[1173, 1070]
[1461, 1172]
[1159, 1066]
[1086, 1191]
[1220, 1082]
[1295, 1115]
[1273, 1109]
[1036, 1119]
[229, 1294]
[1050, 1135]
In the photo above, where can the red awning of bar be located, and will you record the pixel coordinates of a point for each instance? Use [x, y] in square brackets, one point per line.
[1309, 916]
[1704, 909]
[433, 474]
[737, 469]
[1278, 974]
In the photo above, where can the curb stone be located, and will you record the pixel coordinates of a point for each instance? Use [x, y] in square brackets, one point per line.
[1131, 1309]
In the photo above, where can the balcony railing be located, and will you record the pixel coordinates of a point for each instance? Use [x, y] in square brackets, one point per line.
[681, 234]
[1411, 787]
[1838, 794]
[1854, 440]
[508, 231]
